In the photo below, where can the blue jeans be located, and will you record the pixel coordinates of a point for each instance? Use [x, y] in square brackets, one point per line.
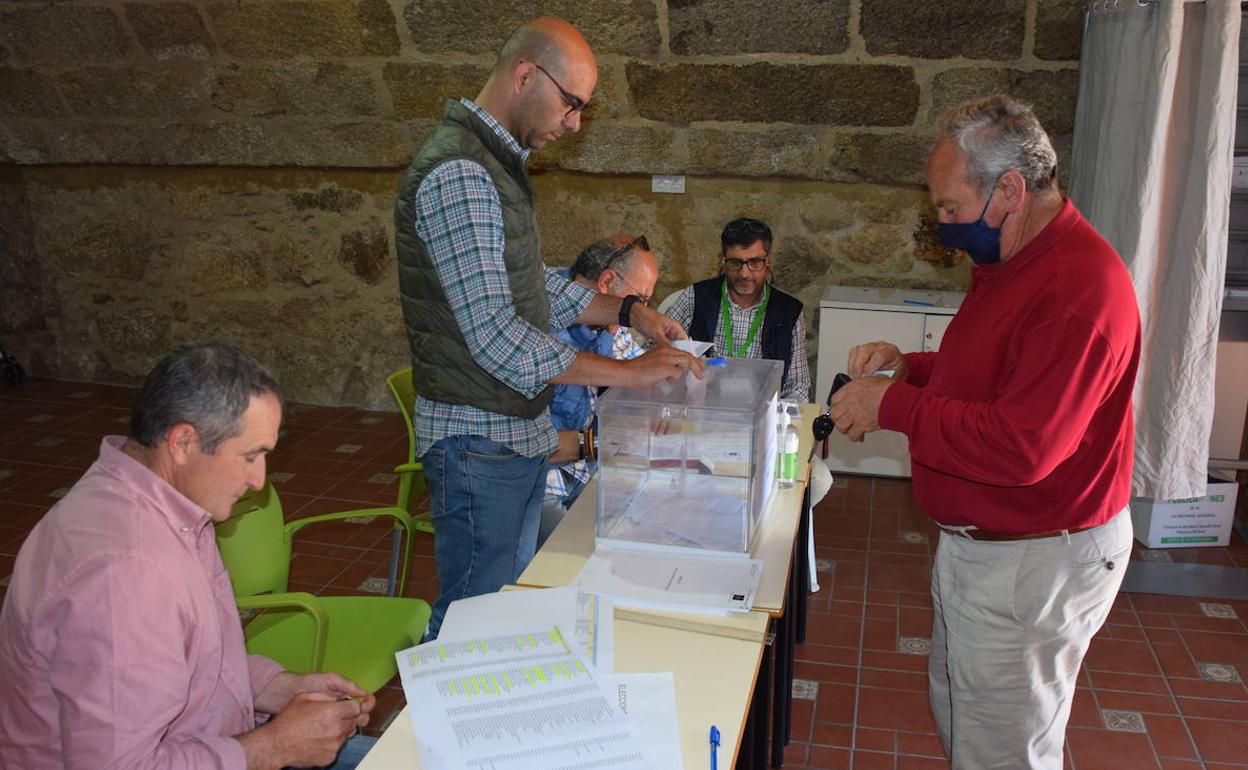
[352, 753]
[485, 501]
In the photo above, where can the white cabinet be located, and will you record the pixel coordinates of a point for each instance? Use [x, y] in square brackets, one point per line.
[852, 315]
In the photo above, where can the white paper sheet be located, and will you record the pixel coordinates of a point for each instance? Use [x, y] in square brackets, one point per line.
[692, 347]
[500, 613]
[685, 583]
[650, 702]
[522, 701]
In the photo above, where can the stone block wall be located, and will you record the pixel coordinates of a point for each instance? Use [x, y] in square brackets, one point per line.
[179, 169]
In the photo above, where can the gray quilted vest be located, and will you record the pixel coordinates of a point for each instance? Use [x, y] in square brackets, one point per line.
[442, 366]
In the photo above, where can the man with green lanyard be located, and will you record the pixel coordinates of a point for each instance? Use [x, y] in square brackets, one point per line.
[742, 313]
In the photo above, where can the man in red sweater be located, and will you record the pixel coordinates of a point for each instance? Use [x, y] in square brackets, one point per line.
[1021, 438]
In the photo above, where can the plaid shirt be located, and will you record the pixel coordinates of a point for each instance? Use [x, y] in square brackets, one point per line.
[796, 385]
[564, 479]
[460, 220]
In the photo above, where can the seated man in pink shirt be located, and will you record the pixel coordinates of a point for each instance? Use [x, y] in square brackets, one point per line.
[120, 642]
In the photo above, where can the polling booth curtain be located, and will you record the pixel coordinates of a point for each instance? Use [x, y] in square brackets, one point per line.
[1151, 170]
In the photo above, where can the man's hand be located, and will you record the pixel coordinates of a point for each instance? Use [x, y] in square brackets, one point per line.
[308, 732]
[661, 363]
[285, 686]
[865, 360]
[655, 325]
[856, 407]
[569, 448]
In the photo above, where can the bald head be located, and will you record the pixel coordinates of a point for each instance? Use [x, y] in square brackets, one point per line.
[544, 76]
[551, 42]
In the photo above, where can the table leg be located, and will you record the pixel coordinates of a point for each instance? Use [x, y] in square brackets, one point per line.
[803, 559]
[762, 705]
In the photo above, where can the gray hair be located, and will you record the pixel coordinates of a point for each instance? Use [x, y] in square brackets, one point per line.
[998, 134]
[597, 257]
[206, 384]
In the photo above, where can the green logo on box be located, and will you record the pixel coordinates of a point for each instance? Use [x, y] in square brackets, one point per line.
[1217, 498]
[1200, 539]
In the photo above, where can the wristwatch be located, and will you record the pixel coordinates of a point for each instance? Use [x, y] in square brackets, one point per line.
[580, 445]
[626, 307]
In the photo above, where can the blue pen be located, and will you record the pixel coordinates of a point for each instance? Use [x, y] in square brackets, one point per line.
[714, 746]
[916, 302]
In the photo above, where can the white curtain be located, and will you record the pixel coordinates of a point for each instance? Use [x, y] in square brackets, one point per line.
[1151, 170]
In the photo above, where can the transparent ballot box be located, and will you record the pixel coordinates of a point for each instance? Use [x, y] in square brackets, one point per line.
[690, 464]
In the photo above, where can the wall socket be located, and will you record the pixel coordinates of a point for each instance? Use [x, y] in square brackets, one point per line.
[667, 183]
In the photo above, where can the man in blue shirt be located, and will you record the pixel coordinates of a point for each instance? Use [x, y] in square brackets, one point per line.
[616, 266]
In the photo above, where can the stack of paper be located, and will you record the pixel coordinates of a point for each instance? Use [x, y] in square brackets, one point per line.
[483, 696]
[524, 701]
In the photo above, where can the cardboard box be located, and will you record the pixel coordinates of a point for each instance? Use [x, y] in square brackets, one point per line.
[1189, 522]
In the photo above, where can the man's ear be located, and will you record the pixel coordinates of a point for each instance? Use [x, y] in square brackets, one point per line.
[522, 74]
[606, 281]
[179, 441]
[1013, 185]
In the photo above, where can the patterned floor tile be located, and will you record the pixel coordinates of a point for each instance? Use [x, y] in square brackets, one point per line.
[1123, 721]
[805, 689]
[1218, 672]
[913, 645]
[1213, 610]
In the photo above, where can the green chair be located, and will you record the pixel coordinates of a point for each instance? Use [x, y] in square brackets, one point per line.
[356, 636]
[411, 473]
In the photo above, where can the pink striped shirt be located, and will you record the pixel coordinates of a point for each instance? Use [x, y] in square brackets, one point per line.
[120, 643]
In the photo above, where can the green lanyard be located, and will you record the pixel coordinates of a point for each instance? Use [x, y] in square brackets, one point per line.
[725, 312]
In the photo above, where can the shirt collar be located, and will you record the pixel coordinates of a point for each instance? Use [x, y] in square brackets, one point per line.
[1003, 272]
[177, 509]
[496, 127]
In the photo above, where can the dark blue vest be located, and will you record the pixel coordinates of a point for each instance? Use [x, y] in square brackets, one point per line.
[777, 331]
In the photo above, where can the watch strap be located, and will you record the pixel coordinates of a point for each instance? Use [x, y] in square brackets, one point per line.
[626, 307]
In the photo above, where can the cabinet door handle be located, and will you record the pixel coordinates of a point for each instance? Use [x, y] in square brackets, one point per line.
[929, 335]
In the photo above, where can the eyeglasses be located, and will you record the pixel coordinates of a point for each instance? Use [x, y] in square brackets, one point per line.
[750, 225]
[573, 102]
[638, 242]
[644, 298]
[754, 263]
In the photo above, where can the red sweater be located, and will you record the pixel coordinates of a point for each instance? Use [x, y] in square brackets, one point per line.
[1022, 422]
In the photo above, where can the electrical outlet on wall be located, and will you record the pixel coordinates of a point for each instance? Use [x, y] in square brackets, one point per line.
[667, 183]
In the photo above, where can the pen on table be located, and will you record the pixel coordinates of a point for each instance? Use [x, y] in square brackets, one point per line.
[714, 746]
[917, 302]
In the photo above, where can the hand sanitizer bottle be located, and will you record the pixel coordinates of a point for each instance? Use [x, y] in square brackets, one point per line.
[787, 441]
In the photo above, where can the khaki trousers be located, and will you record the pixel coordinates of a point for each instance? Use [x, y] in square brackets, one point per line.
[1012, 623]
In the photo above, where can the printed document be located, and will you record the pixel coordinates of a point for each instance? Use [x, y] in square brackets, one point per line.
[592, 615]
[680, 582]
[520, 701]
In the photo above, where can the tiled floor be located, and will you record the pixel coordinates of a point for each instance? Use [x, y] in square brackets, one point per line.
[1162, 686]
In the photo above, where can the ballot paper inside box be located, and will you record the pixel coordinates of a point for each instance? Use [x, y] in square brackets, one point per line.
[690, 464]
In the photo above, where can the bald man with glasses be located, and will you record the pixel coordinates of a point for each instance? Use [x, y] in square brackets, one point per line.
[743, 313]
[480, 308]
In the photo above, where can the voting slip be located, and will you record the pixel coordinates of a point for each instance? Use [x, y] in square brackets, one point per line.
[680, 582]
[521, 701]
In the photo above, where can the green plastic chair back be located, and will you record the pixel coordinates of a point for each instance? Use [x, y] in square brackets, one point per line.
[411, 473]
[253, 545]
[356, 636]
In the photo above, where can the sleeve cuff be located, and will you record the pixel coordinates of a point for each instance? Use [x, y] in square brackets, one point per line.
[261, 671]
[897, 405]
[228, 748]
